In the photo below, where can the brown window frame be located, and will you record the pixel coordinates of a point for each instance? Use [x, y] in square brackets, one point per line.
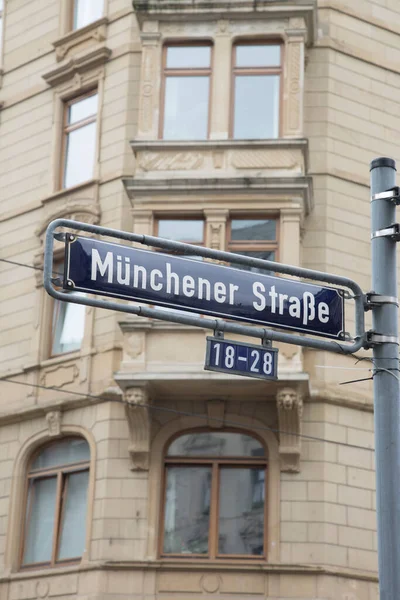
[175, 217]
[216, 463]
[69, 128]
[194, 72]
[60, 473]
[252, 245]
[256, 71]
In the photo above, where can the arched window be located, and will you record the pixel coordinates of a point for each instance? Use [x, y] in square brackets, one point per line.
[55, 517]
[215, 496]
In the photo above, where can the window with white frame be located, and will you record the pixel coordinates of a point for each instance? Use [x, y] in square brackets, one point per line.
[79, 139]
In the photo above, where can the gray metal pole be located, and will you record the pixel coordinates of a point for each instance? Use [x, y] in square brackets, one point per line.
[386, 383]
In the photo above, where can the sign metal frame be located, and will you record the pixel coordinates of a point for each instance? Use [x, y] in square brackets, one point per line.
[351, 345]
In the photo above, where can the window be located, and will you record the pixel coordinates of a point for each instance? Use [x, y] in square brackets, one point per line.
[68, 324]
[255, 237]
[256, 90]
[214, 497]
[187, 72]
[55, 518]
[85, 12]
[79, 139]
[190, 231]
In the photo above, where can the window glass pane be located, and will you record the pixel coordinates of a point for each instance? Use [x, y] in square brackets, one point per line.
[73, 528]
[257, 55]
[87, 11]
[187, 507]
[215, 444]
[187, 230]
[253, 229]
[256, 107]
[68, 326]
[186, 108]
[241, 511]
[188, 57]
[79, 160]
[62, 453]
[82, 109]
[40, 520]
[264, 254]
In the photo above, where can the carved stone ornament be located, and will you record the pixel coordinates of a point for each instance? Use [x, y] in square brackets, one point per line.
[53, 419]
[215, 413]
[139, 423]
[76, 66]
[290, 410]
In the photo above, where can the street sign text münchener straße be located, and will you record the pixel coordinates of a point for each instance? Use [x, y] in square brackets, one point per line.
[103, 268]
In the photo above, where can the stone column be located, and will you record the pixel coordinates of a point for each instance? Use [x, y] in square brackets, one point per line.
[293, 121]
[150, 78]
[289, 246]
[221, 83]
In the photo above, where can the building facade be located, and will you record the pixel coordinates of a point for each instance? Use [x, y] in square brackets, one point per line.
[245, 126]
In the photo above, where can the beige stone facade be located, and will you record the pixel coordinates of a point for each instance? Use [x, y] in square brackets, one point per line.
[134, 384]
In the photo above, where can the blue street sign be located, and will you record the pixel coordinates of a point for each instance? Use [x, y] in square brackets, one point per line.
[239, 358]
[96, 267]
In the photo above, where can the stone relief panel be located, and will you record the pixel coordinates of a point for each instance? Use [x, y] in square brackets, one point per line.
[59, 375]
[168, 161]
[267, 159]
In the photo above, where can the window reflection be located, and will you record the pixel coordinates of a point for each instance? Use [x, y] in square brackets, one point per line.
[186, 522]
[257, 75]
[186, 92]
[86, 11]
[215, 495]
[68, 326]
[80, 140]
[241, 522]
[55, 517]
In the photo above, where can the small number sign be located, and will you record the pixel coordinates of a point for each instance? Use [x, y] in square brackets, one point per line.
[248, 360]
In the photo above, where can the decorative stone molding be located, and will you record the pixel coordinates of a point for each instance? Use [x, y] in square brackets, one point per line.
[53, 419]
[96, 31]
[224, 11]
[77, 211]
[139, 422]
[215, 413]
[77, 65]
[60, 375]
[290, 410]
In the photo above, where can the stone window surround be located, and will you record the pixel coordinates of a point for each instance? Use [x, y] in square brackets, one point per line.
[223, 34]
[216, 221]
[54, 427]
[77, 85]
[41, 339]
[149, 456]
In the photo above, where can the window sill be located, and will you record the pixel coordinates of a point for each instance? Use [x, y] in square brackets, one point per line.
[96, 31]
[71, 190]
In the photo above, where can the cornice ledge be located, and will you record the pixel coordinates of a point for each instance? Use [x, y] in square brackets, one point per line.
[95, 30]
[77, 65]
[165, 145]
[179, 10]
[301, 185]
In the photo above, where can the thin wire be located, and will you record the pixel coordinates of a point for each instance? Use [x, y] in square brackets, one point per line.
[174, 411]
[187, 414]
[18, 264]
